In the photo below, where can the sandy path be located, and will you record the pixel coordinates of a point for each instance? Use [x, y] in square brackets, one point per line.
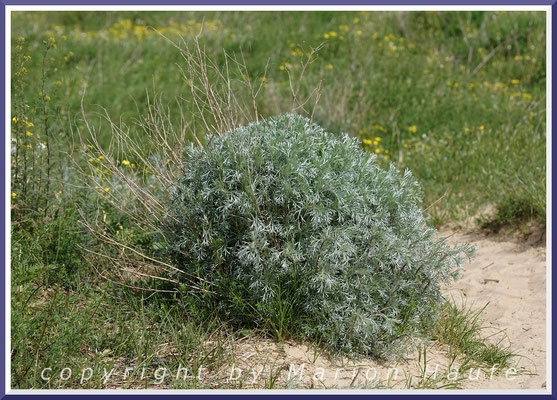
[510, 276]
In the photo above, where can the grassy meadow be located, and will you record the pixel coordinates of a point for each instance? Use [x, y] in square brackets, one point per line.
[456, 97]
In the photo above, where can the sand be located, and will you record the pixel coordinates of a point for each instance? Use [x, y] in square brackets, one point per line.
[510, 276]
[507, 274]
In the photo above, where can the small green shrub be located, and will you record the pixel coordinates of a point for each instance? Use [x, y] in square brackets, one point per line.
[299, 230]
[512, 210]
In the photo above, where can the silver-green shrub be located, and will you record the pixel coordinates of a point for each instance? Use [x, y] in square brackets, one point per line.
[297, 229]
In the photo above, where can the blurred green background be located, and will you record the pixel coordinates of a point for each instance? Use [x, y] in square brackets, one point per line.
[457, 97]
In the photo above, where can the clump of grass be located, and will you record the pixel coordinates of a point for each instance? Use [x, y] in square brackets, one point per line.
[470, 349]
[463, 330]
[513, 211]
[425, 379]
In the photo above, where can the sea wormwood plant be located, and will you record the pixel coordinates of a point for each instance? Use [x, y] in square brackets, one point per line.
[292, 225]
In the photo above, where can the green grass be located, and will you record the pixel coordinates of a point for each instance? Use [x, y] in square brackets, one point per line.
[99, 325]
[458, 98]
[463, 330]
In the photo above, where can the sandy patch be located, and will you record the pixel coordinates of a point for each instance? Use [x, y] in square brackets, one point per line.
[510, 276]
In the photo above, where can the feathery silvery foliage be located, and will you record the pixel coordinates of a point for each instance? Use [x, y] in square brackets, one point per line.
[281, 212]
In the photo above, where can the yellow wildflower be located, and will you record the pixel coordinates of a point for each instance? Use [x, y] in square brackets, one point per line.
[481, 128]
[125, 162]
[359, 32]
[527, 95]
[284, 66]
[29, 133]
[412, 128]
[329, 66]
[515, 81]
[366, 141]
[326, 35]
[297, 52]
[14, 195]
[107, 189]
[333, 34]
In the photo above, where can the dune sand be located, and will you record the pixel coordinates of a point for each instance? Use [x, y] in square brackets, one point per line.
[512, 278]
[509, 275]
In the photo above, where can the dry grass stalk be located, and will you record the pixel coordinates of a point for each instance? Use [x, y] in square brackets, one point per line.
[221, 98]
